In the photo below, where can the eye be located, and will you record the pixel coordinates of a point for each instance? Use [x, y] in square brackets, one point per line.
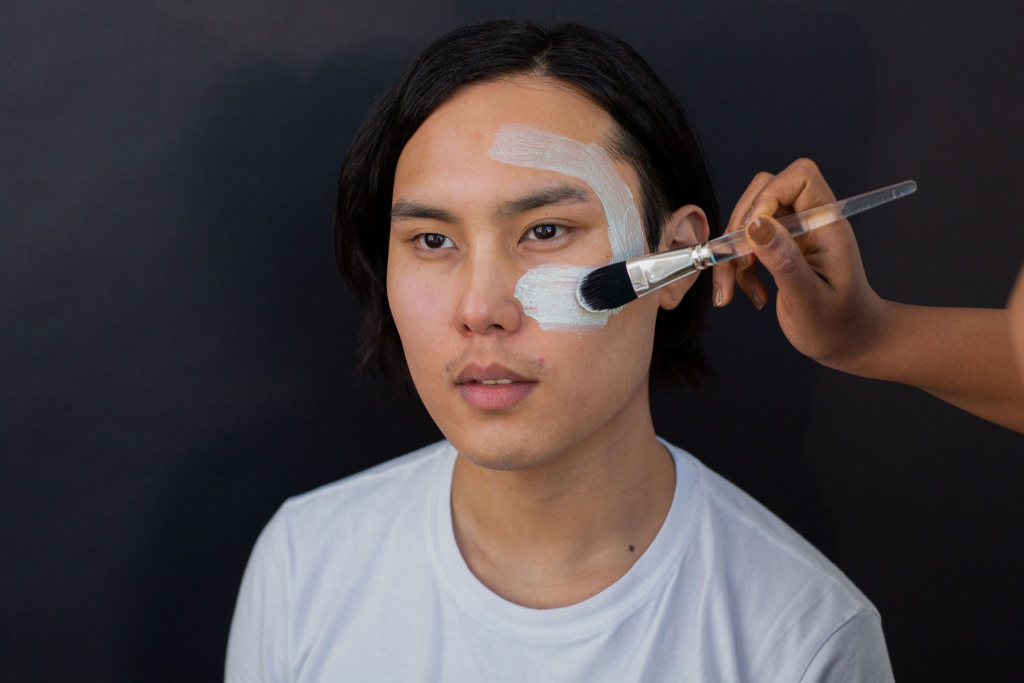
[431, 241]
[545, 231]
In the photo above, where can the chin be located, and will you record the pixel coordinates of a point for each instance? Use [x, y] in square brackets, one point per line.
[513, 444]
[497, 449]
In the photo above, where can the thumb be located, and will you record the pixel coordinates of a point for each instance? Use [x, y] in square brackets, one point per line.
[776, 249]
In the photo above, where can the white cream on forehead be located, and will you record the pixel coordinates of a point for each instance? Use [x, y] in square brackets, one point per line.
[548, 292]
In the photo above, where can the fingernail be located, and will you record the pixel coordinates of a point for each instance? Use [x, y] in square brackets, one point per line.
[718, 296]
[757, 301]
[761, 231]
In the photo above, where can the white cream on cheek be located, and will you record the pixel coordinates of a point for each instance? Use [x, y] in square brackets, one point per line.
[548, 295]
[548, 292]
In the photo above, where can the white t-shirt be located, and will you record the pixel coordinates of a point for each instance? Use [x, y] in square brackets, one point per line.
[362, 580]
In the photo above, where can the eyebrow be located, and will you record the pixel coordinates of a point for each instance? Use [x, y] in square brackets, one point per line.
[561, 193]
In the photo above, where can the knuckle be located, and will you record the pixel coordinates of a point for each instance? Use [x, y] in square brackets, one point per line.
[762, 177]
[755, 203]
[723, 272]
[746, 274]
[807, 166]
[787, 259]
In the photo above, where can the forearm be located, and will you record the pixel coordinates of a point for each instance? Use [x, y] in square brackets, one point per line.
[960, 355]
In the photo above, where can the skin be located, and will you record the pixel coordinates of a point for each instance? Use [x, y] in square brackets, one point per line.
[1015, 308]
[830, 313]
[549, 494]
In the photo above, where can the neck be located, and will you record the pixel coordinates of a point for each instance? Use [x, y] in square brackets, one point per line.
[578, 518]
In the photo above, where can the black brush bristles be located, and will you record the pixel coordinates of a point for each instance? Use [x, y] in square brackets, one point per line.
[606, 288]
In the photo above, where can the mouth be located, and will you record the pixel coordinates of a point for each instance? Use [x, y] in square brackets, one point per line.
[493, 387]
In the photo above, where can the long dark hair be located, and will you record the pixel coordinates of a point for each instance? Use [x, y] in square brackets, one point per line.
[654, 135]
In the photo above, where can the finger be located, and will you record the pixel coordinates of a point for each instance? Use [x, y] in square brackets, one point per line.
[780, 254]
[741, 212]
[752, 286]
[800, 186]
[724, 275]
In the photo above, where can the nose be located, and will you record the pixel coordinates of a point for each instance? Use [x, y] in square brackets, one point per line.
[488, 304]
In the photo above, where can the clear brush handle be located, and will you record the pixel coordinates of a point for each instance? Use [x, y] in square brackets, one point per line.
[735, 244]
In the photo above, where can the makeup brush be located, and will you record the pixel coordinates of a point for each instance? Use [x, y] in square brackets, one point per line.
[618, 284]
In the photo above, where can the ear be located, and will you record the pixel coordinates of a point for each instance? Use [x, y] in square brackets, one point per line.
[687, 226]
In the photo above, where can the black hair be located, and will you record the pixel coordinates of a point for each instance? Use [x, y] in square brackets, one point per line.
[653, 134]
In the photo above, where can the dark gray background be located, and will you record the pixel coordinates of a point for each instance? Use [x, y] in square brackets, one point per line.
[178, 348]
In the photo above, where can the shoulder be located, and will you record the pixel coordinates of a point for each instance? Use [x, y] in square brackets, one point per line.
[746, 527]
[354, 505]
[781, 594]
[370, 491]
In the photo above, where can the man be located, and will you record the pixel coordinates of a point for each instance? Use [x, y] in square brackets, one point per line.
[552, 536]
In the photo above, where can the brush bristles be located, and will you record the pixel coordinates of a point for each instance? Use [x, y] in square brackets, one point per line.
[606, 288]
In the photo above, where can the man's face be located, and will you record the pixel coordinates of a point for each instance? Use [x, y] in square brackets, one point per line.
[457, 249]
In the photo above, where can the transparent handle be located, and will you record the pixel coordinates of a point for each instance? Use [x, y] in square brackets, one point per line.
[735, 244]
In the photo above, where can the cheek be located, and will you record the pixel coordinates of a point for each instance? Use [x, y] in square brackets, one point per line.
[596, 371]
[548, 295]
[419, 308]
[627, 342]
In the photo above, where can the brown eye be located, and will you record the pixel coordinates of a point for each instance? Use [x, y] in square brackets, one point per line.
[544, 232]
[432, 240]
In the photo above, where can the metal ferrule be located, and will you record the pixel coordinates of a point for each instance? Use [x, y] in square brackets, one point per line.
[654, 271]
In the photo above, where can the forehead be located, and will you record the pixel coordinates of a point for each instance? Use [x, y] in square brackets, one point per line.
[450, 147]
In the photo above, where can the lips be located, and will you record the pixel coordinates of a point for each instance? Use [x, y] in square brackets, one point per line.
[491, 373]
[493, 387]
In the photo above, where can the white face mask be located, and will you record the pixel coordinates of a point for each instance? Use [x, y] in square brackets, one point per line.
[548, 292]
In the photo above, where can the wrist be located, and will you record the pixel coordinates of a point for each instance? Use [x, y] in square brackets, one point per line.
[872, 347]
